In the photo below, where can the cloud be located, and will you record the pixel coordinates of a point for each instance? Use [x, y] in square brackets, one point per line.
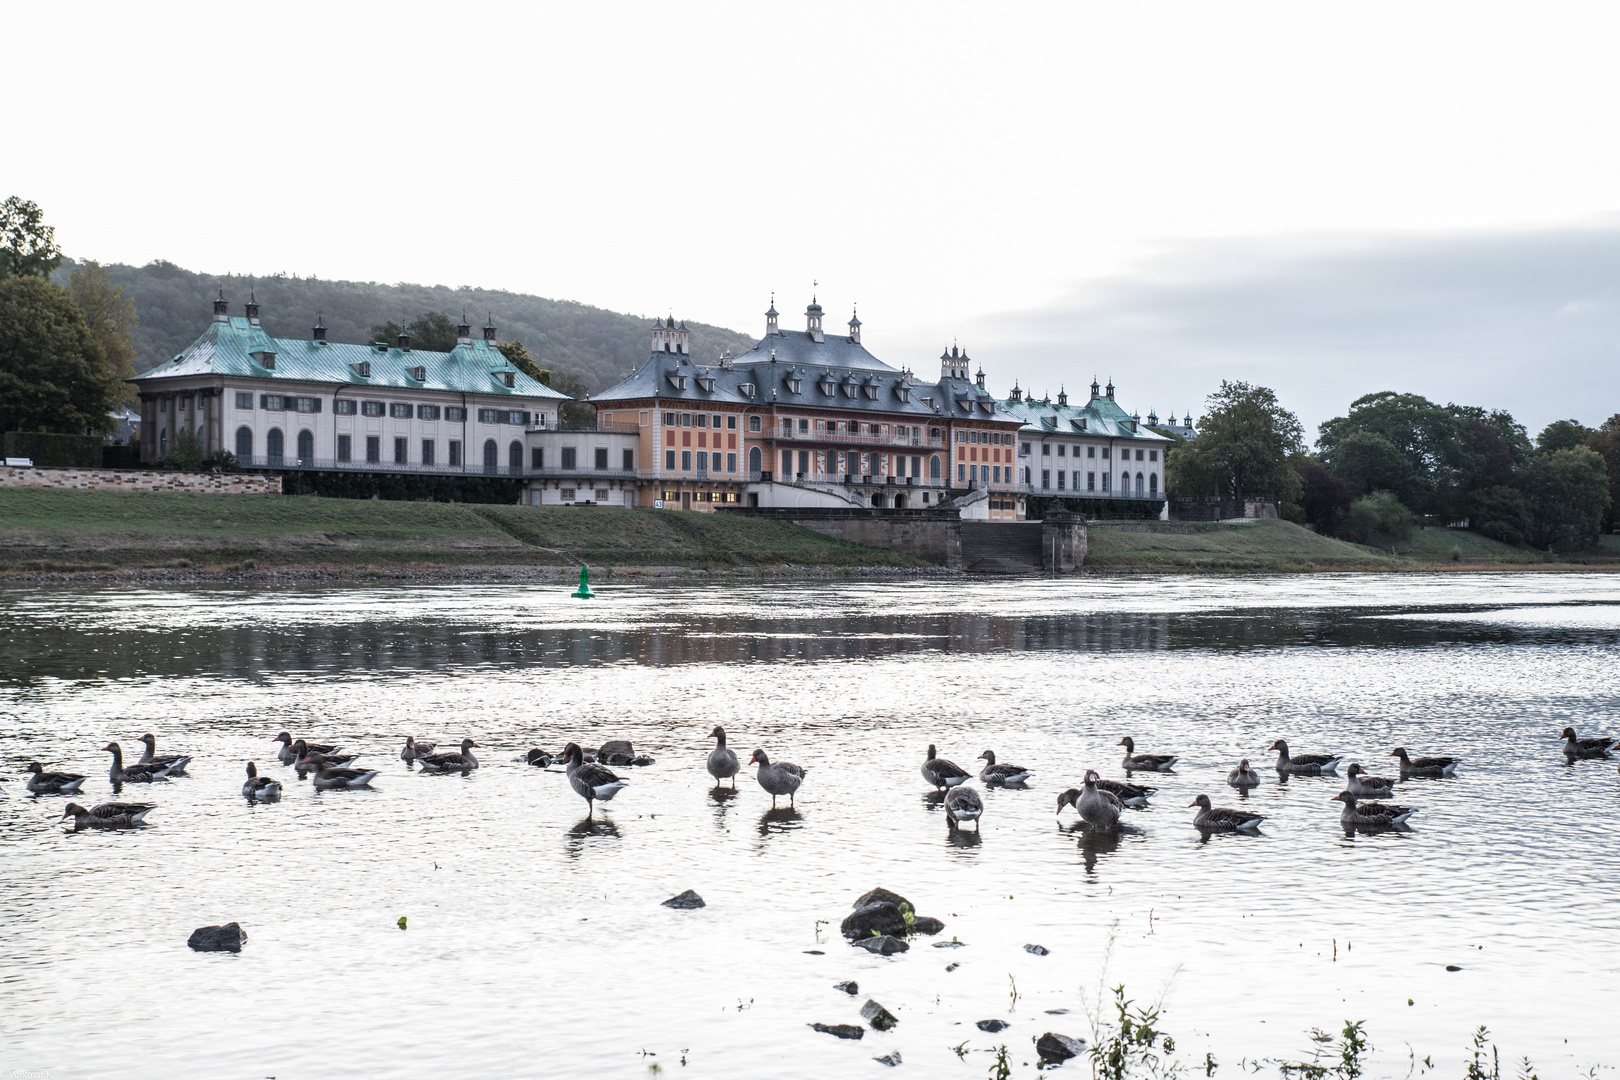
[1522, 320]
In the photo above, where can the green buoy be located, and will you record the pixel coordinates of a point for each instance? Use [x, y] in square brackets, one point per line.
[584, 590]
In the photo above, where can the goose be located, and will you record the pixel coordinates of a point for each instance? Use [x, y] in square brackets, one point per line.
[538, 758]
[414, 750]
[1099, 808]
[778, 778]
[135, 774]
[327, 777]
[304, 755]
[1304, 764]
[1223, 819]
[1135, 795]
[590, 780]
[941, 773]
[53, 783]
[1243, 776]
[1428, 767]
[1576, 749]
[260, 788]
[108, 815]
[1374, 814]
[1001, 774]
[451, 762]
[1135, 762]
[1364, 786]
[176, 763]
[963, 804]
[289, 752]
[723, 764]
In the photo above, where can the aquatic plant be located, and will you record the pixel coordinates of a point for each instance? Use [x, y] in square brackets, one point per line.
[1133, 1045]
[1002, 1068]
[1352, 1046]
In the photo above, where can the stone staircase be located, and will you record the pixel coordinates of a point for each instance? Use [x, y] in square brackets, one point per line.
[1012, 548]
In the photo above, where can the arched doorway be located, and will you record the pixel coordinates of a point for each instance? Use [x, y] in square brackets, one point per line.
[1153, 485]
[306, 447]
[244, 443]
[877, 500]
[492, 456]
[933, 467]
[754, 464]
[899, 502]
[514, 456]
[273, 445]
[1139, 491]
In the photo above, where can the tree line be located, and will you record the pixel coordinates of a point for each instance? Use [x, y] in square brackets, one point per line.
[1395, 460]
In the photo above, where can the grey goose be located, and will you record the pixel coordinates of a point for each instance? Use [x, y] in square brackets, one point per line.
[260, 788]
[304, 756]
[134, 774]
[175, 763]
[1424, 767]
[329, 777]
[1304, 764]
[723, 763]
[778, 778]
[450, 761]
[1364, 786]
[1001, 774]
[1098, 808]
[1135, 762]
[108, 815]
[1243, 776]
[288, 754]
[414, 749]
[1370, 814]
[1223, 819]
[940, 772]
[962, 804]
[1584, 749]
[590, 780]
[52, 783]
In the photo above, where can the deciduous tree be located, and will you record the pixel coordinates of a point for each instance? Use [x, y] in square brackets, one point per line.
[27, 245]
[1246, 444]
[1568, 495]
[54, 375]
[111, 318]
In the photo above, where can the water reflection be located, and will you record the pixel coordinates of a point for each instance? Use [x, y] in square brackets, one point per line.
[783, 819]
[587, 829]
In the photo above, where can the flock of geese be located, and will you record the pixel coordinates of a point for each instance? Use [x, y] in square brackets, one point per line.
[1099, 802]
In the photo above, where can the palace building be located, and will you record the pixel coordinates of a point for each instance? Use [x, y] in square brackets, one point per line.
[1095, 450]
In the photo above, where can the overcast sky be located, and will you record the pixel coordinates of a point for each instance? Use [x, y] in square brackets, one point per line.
[1331, 199]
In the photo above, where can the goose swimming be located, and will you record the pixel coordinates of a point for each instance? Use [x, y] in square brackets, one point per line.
[108, 815]
[414, 749]
[941, 773]
[1364, 786]
[1426, 767]
[304, 756]
[1135, 762]
[778, 777]
[1223, 819]
[135, 774]
[175, 763]
[53, 783]
[723, 764]
[260, 788]
[1001, 774]
[1584, 749]
[590, 780]
[450, 762]
[1370, 814]
[327, 777]
[1243, 776]
[288, 753]
[1304, 764]
[963, 804]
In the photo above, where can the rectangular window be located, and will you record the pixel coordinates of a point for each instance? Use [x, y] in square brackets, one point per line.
[1139, 455]
[731, 462]
[1091, 481]
[629, 460]
[787, 462]
[731, 422]
[373, 448]
[455, 413]
[455, 451]
[669, 459]
[753, 423]
[1062, 449]
[399, 410]
[1046, 478]
[995, 474]
[601, 457]
[537, 457]
[1153, 455]
[345, 445]
[244, 401]
[270, 401]
[686, 419]
[686, 461]
[371, 408]
[1061, 475]
[402, 451]
[513, 416]
[567, 494]
[702, 461]
[1105, 458]
[961, 473]
[309, 404]
[716, 419]
[804, 426]
[601, 494]
[427, 452]
[1105, 481]
[1046, 449]
[702, 420]
[486, 416]
[427, 412]
[343, 406]
[568, 457]
[669, 419]
[1091, 451]
[1077, 481]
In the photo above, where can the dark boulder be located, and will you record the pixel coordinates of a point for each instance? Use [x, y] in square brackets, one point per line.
[851, 988]
[880, 1018]
[227, 938]
[880, 916]
[641, 760]
[951, 944]
[615, 760]
[614, 747]
[993, 1026]
[1037, 950]
[843, 1031]
[686, 901]
[1054, 1047]
[926, 924]
[882, 894]
[884, 945]
[891, 1058]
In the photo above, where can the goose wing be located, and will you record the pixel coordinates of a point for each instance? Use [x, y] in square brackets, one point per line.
[789, 767]
[57, 779]
[1313, 759]
[1431, 762]
[1382, 810]
[940, 769]
[1122, 791]
[1226, 816]
[595, 776]
[109, 811]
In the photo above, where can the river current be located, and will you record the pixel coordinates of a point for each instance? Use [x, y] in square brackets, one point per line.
[537, 944]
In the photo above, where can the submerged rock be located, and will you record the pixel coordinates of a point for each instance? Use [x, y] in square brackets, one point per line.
[992, 1026]
[641, 760]
[926, 924]
[880, 1018]
[686, 901]
[613, 748]
[1054, 1047]
[1037, 950]
[538, 758]
[227, 938]
[884, 945]
[851, 988]
[882, 894]
[951, 944]
[891, 1058]
[843, 1031]
[879, 916]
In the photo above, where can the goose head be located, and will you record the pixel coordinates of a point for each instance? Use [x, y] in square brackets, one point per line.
[573, 754]
[1091, 778]
[1353, 771]
[1202, 802]
[1068, 798]
[932, 753]
[112, 748]
[1243, 765]
[150, 740]
[1569, 733]
[989, 757]
[301, 748]
[758, 758]
[468, 744]
[1279, 746]
[285, 738]
[1400, 752]
[1346, 798]
[73, 809]
[718, 733]
[35, 767]
[251, 771]
[1128, 743]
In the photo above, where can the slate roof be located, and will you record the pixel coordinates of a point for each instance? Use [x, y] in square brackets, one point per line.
[227, 348]
[1101, 417]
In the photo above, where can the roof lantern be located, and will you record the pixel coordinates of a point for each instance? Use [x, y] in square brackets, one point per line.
[489, 327]
[221, 308]
[812, 321]
[1063, 395]
[318, 333]
[404, 341]
[770, 317]
[1110, 388]
[464, 330]
[1015, 394]
[252, 309]
[854, 325]
[1094, 389]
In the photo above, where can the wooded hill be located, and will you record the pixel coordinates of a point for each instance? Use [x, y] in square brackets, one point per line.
[598, 346]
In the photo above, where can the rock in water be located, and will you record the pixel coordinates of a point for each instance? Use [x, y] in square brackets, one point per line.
[951, 944]
[227, 938]
[1054, 1047]
[641, 761]
[883, 894]
[884, 945]
[891, 1058]
[843, 1031]
[686, 901]
[880, 916]
[1037, 950]
[615, 747]
[851, 988]
[993, 1026]
[926, 924]
[880, 1018]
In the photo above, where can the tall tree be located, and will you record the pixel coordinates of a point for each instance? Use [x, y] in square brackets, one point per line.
[111, 318]
[1568, 494]
[576, 411]
[1246, 443]
[1429, 436]
[1606, 441]
[1563, 435]
[54, 376]
[432, 330]
[27, 245]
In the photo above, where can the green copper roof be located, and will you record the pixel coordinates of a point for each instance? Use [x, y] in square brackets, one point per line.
[228, 347]
[1099, 417]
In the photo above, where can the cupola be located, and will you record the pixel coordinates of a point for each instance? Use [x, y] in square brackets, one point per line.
[464, 330]
[812, 321]
[318, 332]
[489, 328]
[222, 308]
[1110, 389]
[1063, 396]
[252, 309]
[670, 338]
[1094, 388]
[854, 327]
[770, 317]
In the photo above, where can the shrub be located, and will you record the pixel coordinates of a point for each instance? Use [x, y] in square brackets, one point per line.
[1379, 516]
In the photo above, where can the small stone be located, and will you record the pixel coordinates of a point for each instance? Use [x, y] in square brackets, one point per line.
[1453, 967]
[885, 945]
[951, 967]
[614, 747]
[880, 1018]
[843, 1031]
[851, 988]
[227, 938]
[951, 944]
[1057, 1012]
[1037, 950]
[926, 924]
[686, 901]
[1054, 1047]
[641, 760]
[814, 952]
[880, 916]
[884, 895]
[992, 1026]
[891, 1058]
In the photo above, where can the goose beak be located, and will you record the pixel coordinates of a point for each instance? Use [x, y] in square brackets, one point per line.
[1193, 803]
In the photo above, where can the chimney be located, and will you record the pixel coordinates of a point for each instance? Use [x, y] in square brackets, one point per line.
[464, 330]
[252, 309]
[489, 328]
[404, 342]
[854, 326]
[770, 317]
[221, 308]
[812, 321]
[319, 332]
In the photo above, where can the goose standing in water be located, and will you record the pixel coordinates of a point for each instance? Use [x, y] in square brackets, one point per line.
[590, 780]
[1424, 767]
[941, 773]
[1243, 776]
[288, 754]
[135, 774]
[778, 778]
[414, 750]
[1584, 749]
[723, 764]
[175, 763]
[963, 804]
[1001, 774]
[52, 783]
[1363, 786]
[450, 762]
[327, 777]
[108, 815]
[1223, 819]
[1099, 808]
[1304, 764]
[260, 788]
[1370, 814]
[1135, 762]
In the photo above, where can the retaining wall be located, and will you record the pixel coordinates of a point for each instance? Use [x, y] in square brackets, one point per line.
[932, 535]
[139, 480]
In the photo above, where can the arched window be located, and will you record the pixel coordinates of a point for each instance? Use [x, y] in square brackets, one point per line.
[514, 456]
[1153, 484]
[753, 423]
[754, 463]
[1139, 491]
[306, 446]
[933, 467]
[244, 443]
[273, 446]
[492, 456]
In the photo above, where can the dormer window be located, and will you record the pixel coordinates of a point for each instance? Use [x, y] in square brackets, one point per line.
[508, 379]
[677, 380]
[828, 386]
[707, 383]
[363, 369]
[795, 385]
[746, 389]
[419, 373]
[903, 392]
[265, 359]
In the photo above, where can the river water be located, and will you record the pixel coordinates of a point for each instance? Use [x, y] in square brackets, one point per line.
[537, 944]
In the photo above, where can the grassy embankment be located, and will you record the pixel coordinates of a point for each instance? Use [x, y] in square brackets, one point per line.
[110, 530]
[1281, 546]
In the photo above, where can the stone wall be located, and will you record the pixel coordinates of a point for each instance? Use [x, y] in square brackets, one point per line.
[139, 480]
[931, 535]
[1216, 508]
[1063, 541]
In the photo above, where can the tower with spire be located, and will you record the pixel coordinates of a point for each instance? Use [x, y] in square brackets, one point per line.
[953, 364]
[670, 337]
